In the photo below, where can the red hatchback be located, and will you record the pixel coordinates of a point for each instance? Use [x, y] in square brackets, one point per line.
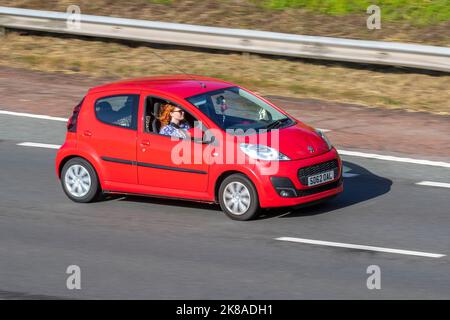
[195, 138]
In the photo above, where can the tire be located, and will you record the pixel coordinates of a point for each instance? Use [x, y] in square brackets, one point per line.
[233, 191]
[78, 171]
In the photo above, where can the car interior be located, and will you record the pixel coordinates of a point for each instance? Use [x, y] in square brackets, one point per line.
[152, 109]
[232, 117]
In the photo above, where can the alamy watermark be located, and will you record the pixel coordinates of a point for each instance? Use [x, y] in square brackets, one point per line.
[232, 147]
[374, 20]
[374, 280]
[73, 21]
[73, 281]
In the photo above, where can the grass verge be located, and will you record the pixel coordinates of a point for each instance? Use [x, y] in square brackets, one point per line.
[378, 87]
[418, 12]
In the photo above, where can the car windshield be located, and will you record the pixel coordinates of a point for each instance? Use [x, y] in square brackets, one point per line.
[234, 108]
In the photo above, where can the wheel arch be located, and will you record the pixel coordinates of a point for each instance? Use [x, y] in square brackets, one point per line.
[226, 174]
[90, 160]
[64, 161]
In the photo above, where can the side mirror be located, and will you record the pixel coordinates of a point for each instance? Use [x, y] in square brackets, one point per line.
[208, 140]
[204, 139]
[199, 133]
[196, 134]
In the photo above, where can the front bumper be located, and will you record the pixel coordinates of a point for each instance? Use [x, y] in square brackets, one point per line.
[272, 184]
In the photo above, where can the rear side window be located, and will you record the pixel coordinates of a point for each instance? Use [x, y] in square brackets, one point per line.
[120, 110]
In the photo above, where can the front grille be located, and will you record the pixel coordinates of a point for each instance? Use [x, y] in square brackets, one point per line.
[304, 173]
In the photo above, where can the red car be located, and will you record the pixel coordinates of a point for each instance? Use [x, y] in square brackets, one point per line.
[195, 138]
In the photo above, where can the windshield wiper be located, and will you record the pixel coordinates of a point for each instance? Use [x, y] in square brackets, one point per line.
[276, 123]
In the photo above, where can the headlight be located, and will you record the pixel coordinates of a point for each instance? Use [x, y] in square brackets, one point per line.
[261, 152]
[324, 137]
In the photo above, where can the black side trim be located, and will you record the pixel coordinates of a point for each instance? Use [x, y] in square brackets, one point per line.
[118, 160]
[150, 165]
[157, 166]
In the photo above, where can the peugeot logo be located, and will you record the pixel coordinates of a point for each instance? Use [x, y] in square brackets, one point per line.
[311, 149]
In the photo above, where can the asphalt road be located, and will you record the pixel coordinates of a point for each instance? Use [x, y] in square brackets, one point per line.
[146, 248]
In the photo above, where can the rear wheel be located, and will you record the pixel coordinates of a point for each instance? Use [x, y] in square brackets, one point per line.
[238, 198]
[79, 180]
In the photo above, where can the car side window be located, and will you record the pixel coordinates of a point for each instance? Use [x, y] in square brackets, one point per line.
[119, 110]
[152, 122]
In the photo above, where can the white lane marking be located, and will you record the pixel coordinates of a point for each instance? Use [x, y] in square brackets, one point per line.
[342, 152]
[393, 158]
[361, 247]
[434, 184]
[30, 115]
[39, 145]
[347, 174]
[45, 117]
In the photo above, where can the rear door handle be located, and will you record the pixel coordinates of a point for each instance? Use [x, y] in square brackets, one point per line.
[145, 143]
[87, 133]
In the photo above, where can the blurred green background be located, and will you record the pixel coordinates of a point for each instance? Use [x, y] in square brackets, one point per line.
[421, 12]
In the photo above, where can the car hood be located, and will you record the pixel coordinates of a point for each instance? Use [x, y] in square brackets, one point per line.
[299, 141]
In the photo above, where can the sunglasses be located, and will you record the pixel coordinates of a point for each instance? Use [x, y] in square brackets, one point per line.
[180, 111]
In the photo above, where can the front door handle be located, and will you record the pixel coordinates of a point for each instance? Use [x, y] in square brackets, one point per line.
[87, 133]
[145, 143]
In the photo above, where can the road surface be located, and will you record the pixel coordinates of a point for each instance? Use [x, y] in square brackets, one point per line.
[147, 248]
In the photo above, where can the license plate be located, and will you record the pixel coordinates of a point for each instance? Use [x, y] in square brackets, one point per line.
[320, 178]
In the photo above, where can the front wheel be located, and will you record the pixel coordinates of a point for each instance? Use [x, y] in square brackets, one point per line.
[238, 198]
[79, 180]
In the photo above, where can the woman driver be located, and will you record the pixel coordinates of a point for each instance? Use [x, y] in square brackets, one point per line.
[172, 121]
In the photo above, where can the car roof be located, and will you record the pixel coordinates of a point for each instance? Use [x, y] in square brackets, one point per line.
[181, 85]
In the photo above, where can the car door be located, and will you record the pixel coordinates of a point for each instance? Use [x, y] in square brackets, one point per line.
[166, 163]
[110, 129]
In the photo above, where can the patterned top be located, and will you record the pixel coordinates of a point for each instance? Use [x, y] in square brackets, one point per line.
[175, 130]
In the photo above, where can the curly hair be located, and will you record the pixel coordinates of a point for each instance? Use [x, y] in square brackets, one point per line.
[164, 113]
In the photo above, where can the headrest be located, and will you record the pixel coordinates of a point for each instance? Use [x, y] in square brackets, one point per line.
[103, 106]
[156, 107]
